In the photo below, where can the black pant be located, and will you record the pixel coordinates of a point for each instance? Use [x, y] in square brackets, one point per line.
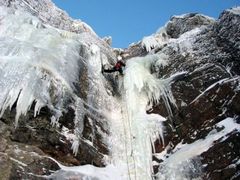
[113, 70]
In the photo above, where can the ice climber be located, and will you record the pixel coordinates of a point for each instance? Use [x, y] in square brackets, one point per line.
[119, 66]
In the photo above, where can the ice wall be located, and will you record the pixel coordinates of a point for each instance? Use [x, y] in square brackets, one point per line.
[40, 66]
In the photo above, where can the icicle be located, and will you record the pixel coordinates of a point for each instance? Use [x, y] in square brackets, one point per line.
[78, 123]
[75, 146]
[38, 106]
[155, 40]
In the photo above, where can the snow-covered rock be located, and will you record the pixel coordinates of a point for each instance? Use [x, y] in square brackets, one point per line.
[177, 26]
[48, 13]
[181, 24]
[209, 52]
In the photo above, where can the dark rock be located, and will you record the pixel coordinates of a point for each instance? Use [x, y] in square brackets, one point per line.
[39, 132]
[20, 161]
[5, 166]
[209, 91]
[229, 20]
[133, 51]
[221, 159]
[3, 144]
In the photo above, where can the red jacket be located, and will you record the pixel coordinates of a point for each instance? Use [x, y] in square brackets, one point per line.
[119, 65]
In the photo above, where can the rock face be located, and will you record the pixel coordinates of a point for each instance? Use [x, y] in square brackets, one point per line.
[208, 92]
[206, 51]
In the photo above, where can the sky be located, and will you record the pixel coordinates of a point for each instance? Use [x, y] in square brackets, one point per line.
[128, 21]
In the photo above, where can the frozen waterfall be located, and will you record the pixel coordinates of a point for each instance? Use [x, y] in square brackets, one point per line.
[40, 67]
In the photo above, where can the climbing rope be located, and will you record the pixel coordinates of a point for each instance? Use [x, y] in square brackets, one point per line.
[131, 142]
[125, 144]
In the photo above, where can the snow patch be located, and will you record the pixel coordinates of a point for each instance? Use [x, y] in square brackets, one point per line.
[87, 172]
[19, 162]
[185, 42]
[180, 16]
[235, 10]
